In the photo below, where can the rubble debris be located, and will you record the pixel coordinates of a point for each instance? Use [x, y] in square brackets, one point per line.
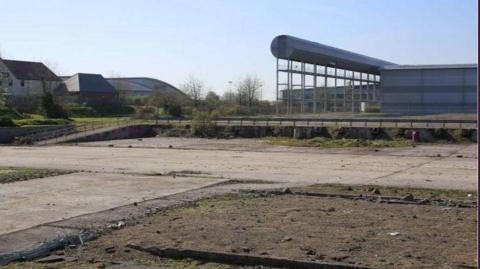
[51, 259]
[409, 197]
[375, 191]
[110, 249]
[287, 191]
[118, 225]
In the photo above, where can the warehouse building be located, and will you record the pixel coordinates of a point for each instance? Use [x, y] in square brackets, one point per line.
[429, 89]
[313, 77]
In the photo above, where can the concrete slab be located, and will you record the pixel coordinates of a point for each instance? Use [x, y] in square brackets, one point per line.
[34, 237]
[30, 203]
[307, 166]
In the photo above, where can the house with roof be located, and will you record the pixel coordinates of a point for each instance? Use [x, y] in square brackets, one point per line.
[90, 89]
[24, 78]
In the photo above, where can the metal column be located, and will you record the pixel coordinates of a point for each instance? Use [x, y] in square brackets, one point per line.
[289, 90]
[276, 103]
[335, 92]
[344, 90]
[315, 89]
[361, 87]
[302, 82]
[352, 83]
[368, 87]
[325, 101]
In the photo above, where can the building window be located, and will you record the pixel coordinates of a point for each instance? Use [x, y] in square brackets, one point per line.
[22, 83]
[10, 83]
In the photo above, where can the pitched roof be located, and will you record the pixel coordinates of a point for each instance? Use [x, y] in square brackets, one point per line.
[30, 70]
[93, 83]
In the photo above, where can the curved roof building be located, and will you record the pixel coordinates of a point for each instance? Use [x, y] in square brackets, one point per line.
[301, 50]
[142, 86]
[344, 81]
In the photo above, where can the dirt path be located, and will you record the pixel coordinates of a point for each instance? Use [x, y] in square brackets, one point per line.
[296, 227]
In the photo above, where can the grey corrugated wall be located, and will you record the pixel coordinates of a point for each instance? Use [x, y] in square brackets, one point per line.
[445, 90]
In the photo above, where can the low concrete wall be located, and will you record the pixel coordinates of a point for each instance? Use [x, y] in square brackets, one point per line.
[8, 134]
[426, 135]
[134, 131]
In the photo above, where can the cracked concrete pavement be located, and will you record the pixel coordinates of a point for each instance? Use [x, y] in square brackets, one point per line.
[435, 166]
[118, 173]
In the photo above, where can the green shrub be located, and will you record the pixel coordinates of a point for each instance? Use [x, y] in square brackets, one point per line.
[10, 113]
[24, 140]
[372, 109]
[42, 122]
[51, 108]
[174, 110]
[137, 100]
[81, 111]
[6, 122]
[202, 124]
[232, 110]
[103, 110]
[146, 112]
[100, 110]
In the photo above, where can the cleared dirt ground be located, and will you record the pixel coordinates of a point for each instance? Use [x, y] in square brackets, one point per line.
[297, 227]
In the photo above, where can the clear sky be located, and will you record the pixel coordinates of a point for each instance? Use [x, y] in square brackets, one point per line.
[222, 40]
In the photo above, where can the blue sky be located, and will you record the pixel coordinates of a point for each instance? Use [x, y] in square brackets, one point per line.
[222, 40]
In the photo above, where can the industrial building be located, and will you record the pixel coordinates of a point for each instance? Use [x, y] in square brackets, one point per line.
[429, 89]
[312, 77]
[142, 86]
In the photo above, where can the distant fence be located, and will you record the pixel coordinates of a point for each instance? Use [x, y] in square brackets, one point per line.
[337, 122]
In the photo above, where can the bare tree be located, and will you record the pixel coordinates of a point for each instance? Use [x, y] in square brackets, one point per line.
[230, 97]
[170, 102]
[212, 100]
[54, 67]
[249, 90]
[194, 88]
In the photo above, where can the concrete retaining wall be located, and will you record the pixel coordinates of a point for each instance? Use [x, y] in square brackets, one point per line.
[426, 135]
[8, 134]
[134, 131]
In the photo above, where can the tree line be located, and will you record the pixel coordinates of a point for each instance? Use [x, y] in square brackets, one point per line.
[243, 99]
